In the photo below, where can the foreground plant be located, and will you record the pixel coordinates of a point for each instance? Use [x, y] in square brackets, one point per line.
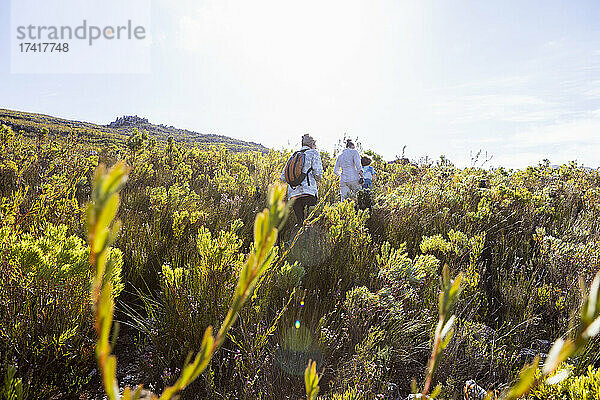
[444, 330]
[445, 327]
[311, 380]
[102, 231]
[562, 349]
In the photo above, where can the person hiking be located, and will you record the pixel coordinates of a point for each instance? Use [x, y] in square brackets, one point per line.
[349, 169]
[368, 172]
[302, 172]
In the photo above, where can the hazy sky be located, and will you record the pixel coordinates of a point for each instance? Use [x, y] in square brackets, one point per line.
[518, 79]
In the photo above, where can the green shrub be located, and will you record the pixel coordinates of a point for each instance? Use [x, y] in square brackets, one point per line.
[44, 296]
[194, 296]
[583, 387]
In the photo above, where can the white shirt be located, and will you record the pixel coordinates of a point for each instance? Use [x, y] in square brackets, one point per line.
[349, 164]
[312, 159]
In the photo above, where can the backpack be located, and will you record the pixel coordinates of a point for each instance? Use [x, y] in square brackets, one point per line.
[293, 169]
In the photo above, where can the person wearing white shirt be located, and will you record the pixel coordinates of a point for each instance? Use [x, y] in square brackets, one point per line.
[349, 169]
[306, 193]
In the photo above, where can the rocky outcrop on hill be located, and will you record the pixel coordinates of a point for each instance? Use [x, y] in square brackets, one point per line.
[128, 120]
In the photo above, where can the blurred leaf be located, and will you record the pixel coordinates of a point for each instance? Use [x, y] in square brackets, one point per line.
[560, 351]
[100, 240]
[105, 312]
[592, 329]
[311, 380]
[108, 212]
[525, 380]
[436, 391]
[205, 352]
[446, 340]
[108, 375]
[558, 377]
[413, 386]
[448, 327]
[456, 287]
[115, 179]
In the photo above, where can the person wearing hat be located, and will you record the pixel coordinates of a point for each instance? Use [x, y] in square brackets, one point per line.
[306, 193]
[348, 167]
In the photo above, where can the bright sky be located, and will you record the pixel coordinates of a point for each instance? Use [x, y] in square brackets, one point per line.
[518, 79]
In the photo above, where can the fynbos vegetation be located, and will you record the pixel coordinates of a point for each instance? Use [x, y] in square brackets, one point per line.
[205, 290]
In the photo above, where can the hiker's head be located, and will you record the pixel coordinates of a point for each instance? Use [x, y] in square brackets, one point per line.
[308, 140]
[349, 144]
[364, 161]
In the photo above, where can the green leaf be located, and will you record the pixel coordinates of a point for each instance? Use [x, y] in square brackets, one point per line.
[100, 240]
[114, 231]
[525, 382]
[311, 380]
[108, 212]
[205, 351]
[89, 217]
[98, 176]
[259, 223]
[448, 327]
[115, 334]
[592, 301]
[101, 266]
[436, 391]
[446, 340]
[558, 377]
[456, 288]
[106, 308]
[560, 351]
[115, 178]
[445, 275]
[592, 329]
[109, 377]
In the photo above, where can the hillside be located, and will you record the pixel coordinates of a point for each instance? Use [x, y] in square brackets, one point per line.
[356, 291]
[117, 131]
